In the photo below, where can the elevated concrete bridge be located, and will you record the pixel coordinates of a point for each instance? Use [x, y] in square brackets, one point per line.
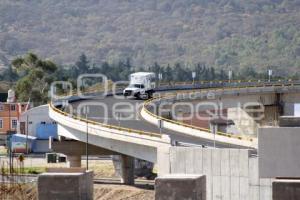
[140, 138]
[283, 96]
[138, 144]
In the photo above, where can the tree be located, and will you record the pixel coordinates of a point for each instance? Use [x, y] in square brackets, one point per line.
[156, 68]
[212, 73]
[81, 66]
[249, 73]
[168, 74]
[37, 76]
[206, 74]
[222, 74]
[200, 70]
[181, 74]
[9, 75]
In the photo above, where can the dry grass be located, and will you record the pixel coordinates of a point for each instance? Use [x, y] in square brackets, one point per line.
[121, 192]
[3, 150]
[15, 186]
[101, 168]
[18, 191]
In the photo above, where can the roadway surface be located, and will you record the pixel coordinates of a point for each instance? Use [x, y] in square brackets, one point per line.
[102, 110]
[105, 105]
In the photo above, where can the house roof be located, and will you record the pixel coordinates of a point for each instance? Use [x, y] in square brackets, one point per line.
[23, 136]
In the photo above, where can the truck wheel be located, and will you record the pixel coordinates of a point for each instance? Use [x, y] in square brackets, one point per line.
[150, 94]
[137, 95]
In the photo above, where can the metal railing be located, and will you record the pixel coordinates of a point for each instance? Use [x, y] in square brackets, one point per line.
[197, 85]
[225, 81]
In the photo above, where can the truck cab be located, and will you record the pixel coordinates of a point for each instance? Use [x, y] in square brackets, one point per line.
[141, 85]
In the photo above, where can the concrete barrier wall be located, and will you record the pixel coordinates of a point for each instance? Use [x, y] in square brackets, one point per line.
[232, 174]
[191, 132]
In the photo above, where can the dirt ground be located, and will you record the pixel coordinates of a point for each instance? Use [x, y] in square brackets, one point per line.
[121, 192]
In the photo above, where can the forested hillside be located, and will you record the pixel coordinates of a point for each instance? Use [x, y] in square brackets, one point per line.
[219, 33]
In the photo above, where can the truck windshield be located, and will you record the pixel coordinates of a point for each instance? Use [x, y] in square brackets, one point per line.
[136, 86]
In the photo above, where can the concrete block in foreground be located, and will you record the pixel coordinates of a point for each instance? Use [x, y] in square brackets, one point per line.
[65, 185]
[180, 187]
[278, 150]
[286, 189]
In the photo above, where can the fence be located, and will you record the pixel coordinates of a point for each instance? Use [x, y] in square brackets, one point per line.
[16, 185]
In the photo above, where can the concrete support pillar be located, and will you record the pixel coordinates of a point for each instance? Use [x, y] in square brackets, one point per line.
[127, 173]
[74, 160]
[163, 161]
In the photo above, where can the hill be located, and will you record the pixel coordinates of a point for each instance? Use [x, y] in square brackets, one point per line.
[220, 33]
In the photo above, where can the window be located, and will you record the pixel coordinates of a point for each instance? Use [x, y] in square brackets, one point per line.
[136, 86]
[1, 123]
[14, 123]
[1, 107]
[13, 107]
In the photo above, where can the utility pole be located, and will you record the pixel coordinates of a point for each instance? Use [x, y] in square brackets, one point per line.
[87, 139]
[27, 134]
[119, 118]
[10, 142]
[215, 131]
[160, 126]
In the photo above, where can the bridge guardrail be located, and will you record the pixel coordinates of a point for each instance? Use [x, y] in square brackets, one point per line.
[233, 84]
[245, 85]
[187, 85]
[215, 86]
[106, 125]
[226, 81]
[191, 126]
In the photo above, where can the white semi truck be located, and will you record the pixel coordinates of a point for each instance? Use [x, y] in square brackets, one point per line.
[141, 85]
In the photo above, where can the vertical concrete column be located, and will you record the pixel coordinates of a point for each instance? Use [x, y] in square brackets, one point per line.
[74, 160]
[116, 159]
[127, 170]
[163, 161]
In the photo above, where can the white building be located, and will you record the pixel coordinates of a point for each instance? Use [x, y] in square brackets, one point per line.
[36, 122]
[30, 119]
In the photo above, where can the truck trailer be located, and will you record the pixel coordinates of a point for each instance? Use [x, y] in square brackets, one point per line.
[141, 85]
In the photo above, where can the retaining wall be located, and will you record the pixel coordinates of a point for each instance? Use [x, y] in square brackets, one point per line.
[231, 174]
